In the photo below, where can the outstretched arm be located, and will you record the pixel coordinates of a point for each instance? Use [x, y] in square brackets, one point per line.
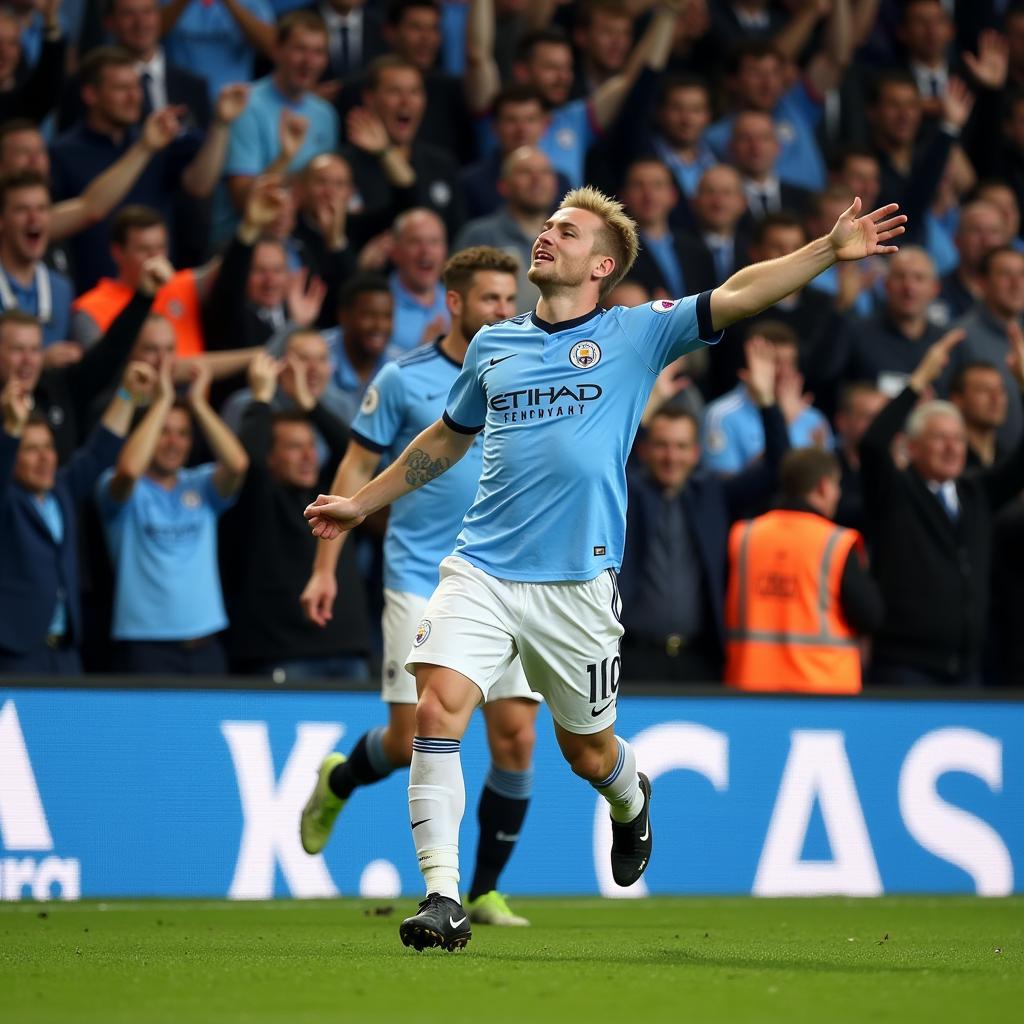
[429, 455]
[761, 285]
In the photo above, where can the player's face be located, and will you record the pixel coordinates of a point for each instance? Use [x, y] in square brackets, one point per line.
[565, 252]
[672, 451]
[399, 101]
[939, 452]
[292, 460]
[684, 115]
[983, 400]
[367, 322]
[25, 151]
[21, 354]
[491, 297]
[140, 244]
[36, 465]
[175, 443]
[26, 222]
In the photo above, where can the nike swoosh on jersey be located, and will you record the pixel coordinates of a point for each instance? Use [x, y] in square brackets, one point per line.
[494, 362]
[600, 711]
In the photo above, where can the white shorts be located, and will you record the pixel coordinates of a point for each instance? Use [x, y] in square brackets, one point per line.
[566, 635]
[403, 612]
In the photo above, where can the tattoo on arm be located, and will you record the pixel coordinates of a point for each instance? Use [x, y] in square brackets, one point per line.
[423, 468]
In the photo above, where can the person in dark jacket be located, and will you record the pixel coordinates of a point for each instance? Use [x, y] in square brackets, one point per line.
[40, 608]
[269, 635]
[930, 531]
[672, 580]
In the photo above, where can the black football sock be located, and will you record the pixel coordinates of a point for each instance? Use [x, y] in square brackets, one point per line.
[366, 765]
[501, 813]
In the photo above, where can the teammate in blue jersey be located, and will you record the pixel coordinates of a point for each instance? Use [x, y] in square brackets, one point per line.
[404, 399]
[558, 394]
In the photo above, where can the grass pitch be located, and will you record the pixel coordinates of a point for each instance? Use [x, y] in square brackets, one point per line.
[706, 960]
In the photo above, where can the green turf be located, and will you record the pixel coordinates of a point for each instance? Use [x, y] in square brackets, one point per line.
[707, 960]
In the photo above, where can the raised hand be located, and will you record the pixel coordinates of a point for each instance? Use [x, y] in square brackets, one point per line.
[267, 199]
[297, 383]
[935, 360]
[162, 127]
[991, 66]
[231, 102]
[291, 133]
[306, 294]
[366, 131]
[156, 272]
[790, 396]
[759, 375]
[330, 516]
[855, 237]
[61, 353]
[140, 381]
[263, 373]
[17, 403]
[957, 102]
[199, 377]
[377, 251]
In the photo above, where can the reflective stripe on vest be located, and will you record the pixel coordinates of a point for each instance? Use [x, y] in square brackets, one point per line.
[823, 637]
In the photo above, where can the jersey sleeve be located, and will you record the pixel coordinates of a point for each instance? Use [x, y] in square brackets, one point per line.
[382, 411]
[466, 409]
[665, 329]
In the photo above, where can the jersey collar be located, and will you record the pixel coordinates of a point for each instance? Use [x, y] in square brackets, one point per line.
[565, 325]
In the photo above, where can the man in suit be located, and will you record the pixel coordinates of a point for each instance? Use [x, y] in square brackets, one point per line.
[40, 608]
[135, 25]
[930, 529]
[673, 568]
[718, 208]
[754, 152]
[354, 36]
[669, 263]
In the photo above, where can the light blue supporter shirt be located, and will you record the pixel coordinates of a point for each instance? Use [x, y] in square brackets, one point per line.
[559, 405]
[411, 318]
[733, 434]
[796, 119]
[163, 544]
[206, 39]
[405, 398]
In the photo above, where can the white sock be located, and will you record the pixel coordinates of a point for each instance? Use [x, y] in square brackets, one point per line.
[437, 800]
[622, 787]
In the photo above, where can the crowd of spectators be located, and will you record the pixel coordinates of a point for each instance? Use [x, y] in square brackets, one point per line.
[220, 218]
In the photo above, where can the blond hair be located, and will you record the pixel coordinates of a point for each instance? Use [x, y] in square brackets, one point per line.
[617, 239]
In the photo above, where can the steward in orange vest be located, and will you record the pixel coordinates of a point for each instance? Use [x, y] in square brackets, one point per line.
[798, 592]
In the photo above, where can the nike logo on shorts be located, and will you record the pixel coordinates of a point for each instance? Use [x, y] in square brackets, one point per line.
[416, 824]
[600, 711]
[494, 362]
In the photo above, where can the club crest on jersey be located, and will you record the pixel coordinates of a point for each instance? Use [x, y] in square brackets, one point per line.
[585, 354]
[664, 305]
[422, 632]
[371, 399]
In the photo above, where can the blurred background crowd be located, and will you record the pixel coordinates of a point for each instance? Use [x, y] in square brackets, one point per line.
[219, 219]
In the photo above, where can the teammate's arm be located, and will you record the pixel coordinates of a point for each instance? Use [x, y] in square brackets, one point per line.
[761, 285]
[429, 455]
[354, 472]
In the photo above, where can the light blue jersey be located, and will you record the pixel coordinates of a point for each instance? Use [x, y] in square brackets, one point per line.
[404, 399]
[559, 405]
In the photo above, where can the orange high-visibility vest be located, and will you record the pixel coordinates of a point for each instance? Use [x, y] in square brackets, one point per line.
[785, 628]
[178, 300]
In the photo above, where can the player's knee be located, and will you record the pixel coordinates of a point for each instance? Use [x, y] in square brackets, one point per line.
[433, 718]
[512, 749]
[586, 762]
